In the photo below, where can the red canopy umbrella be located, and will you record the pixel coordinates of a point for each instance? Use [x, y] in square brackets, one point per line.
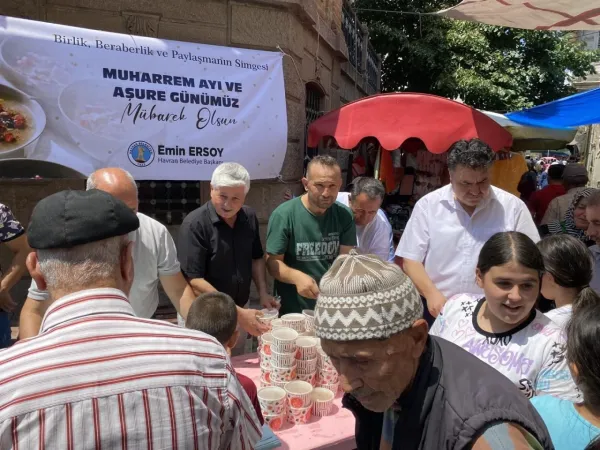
[394, 118]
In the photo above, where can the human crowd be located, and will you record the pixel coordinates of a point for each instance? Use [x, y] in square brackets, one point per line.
[471, 333]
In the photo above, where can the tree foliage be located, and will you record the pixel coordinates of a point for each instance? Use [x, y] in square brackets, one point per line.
[488, 67]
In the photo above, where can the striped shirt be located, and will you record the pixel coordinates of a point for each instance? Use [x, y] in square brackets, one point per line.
[97, 377]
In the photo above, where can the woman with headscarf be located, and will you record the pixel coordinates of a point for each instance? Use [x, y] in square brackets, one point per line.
[575, 223]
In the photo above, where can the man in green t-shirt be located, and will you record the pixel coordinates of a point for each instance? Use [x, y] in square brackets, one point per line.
[306, 234]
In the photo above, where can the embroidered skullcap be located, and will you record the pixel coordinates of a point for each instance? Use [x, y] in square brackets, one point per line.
[362, 297]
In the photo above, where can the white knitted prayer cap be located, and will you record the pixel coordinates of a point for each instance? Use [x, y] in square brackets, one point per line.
[362, 297]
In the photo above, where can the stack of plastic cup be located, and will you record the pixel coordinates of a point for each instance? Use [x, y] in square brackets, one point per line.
[327, 375]
[306, 359]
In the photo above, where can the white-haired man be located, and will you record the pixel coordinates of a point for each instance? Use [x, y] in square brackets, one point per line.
[220, 249]
[154, 254]
[97, 376]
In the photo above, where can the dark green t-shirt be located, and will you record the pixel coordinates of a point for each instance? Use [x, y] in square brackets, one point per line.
[309, 244]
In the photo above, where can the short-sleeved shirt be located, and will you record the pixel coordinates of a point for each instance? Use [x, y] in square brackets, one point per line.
[154, 256]
[10, 228]
[568, 429]
[531, 355]
[252, 393]
[309, 243]
[560, 316]
[441, 235]
[220, 254]
[540, 200]
[557, 209]
[376, 237]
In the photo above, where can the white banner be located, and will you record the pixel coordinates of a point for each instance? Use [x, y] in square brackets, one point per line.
[164, 110]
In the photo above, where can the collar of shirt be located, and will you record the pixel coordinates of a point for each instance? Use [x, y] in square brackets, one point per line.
[215, 218]
[86, 303]
[450, 198]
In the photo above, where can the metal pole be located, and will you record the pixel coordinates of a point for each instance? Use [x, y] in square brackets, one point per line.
[377, 162]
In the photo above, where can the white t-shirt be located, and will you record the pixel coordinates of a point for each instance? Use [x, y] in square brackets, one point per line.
[442, 236]
[532, 356]
[560, 316]
[154, 255]
[376, 237]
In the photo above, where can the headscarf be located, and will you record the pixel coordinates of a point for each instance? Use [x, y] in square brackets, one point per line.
[568, 226]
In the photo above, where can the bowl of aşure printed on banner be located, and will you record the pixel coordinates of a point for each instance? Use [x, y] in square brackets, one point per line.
[34, 66]
[22, 121]
[97, 123]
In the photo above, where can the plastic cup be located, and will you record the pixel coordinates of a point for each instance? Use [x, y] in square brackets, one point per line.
[298, 393]
[322, 399]
[284, 340]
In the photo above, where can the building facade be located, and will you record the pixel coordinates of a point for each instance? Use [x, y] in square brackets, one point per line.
[588, 138]
[328, 62]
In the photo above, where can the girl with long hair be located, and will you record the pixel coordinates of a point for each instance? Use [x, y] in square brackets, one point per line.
[503, 328]
[577, 426]
[569, 268]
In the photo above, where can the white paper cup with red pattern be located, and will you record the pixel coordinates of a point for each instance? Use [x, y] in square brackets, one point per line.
[299, 415]
[306, 366]
[264, 382]
[265, 360]
[309, 316]
[280, 384]
[275, 421]
[324, 361]
[277, 323]
[298, 393]
[333, 387]
[328, 376]
[283, 359]
[283, 373]
[296, 321]
[265, 372]
[308, 377]
[322, 400]
[306, 348]
[284, 340]
[272, 400]
[265, 343]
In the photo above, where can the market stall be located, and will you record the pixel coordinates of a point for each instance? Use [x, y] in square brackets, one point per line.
[414, 131]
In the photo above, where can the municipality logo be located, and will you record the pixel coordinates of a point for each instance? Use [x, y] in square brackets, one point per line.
[141, 154]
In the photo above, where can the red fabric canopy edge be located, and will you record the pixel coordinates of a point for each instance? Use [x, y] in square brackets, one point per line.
[394, 118]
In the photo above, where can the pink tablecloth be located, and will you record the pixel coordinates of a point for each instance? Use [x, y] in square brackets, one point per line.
[335, 431]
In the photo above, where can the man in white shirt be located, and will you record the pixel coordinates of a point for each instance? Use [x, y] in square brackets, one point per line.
[373, 229]
[448, 227]
[154, 254]
[592, 214]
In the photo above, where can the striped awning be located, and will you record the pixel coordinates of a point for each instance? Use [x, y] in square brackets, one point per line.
[532, 14]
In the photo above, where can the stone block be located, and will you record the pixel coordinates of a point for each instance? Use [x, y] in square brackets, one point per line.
[214, 12]
[86, 18]
[294, 81]
[25, 9]
[191, 32]
[296, 119]
[260, 26]
[293, 164]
